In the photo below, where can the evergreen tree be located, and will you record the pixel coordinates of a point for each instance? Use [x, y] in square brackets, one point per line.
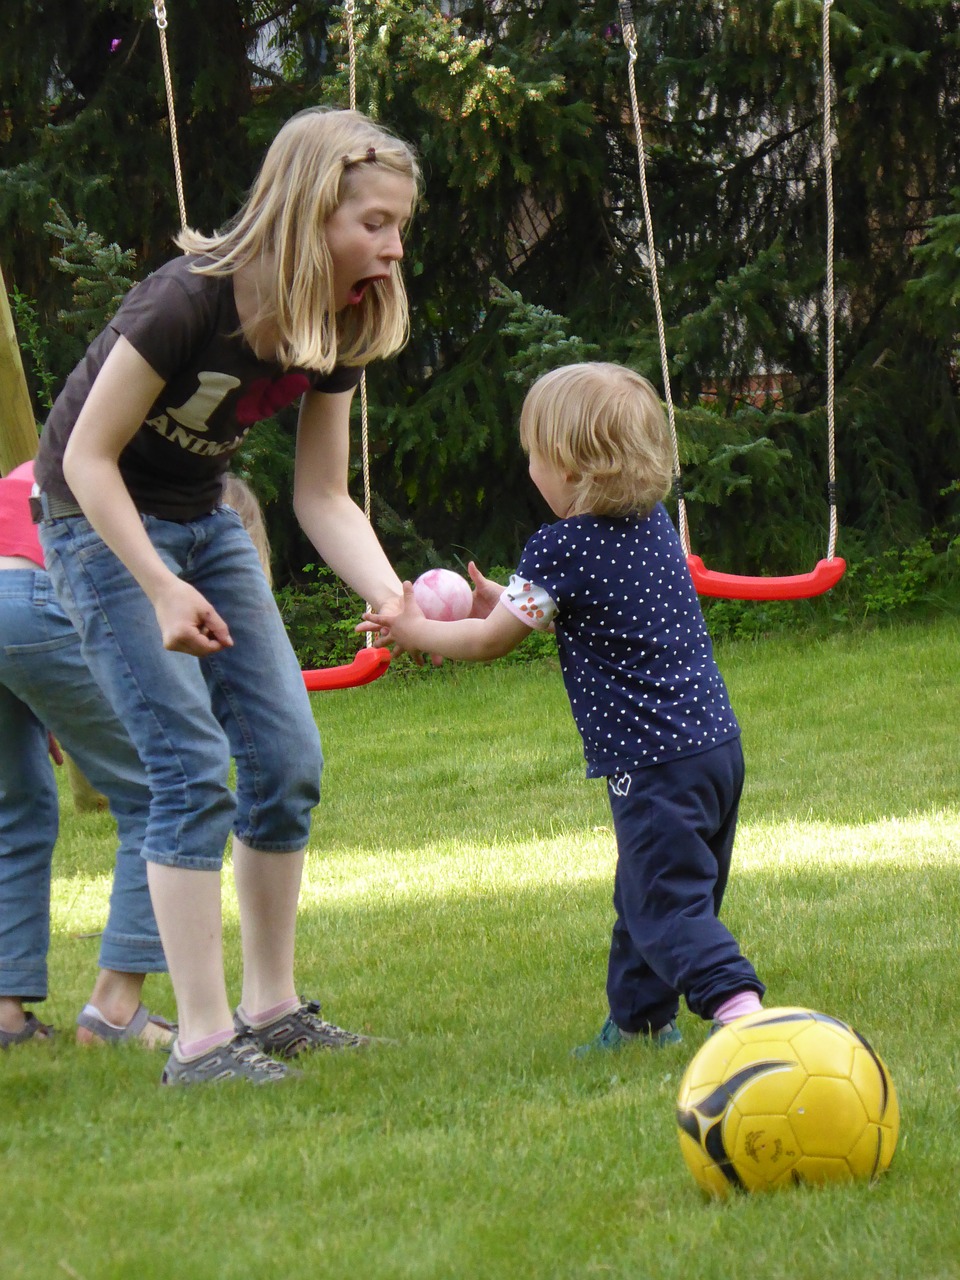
[530, 241]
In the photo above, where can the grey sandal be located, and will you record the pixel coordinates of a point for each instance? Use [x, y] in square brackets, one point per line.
[32, 1027]
[99, 1030]
[299, 1029]
[238, 1060]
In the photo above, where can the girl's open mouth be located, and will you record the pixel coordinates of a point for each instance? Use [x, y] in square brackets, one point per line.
[360, 288]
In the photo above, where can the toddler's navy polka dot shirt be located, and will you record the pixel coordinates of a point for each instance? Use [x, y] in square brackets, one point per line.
[636, 657]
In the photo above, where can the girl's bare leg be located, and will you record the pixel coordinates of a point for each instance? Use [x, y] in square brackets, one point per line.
[268, 890]
[186, 904]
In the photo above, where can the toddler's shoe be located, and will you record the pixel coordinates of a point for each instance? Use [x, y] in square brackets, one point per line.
[298, 1030]
[240, 1059]
[610, 1039]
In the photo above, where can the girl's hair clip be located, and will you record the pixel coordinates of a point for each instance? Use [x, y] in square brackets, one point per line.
[369, 158]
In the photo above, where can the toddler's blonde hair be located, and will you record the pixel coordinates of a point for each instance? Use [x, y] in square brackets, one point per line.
[304, 177]
[604, 426]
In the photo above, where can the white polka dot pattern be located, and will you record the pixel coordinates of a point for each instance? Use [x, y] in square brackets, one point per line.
[636, 657]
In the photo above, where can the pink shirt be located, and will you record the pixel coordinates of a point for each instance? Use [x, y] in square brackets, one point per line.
[18, 533]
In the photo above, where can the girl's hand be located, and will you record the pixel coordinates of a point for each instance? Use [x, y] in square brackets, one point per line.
[486, 593]
[188, 622]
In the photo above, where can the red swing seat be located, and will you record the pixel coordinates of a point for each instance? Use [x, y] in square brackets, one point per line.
[799, 586]
[368, 665]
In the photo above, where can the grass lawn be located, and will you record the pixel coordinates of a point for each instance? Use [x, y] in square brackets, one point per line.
[457, 900]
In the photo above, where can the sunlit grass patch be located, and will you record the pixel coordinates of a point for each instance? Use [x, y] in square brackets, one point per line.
[457, 902]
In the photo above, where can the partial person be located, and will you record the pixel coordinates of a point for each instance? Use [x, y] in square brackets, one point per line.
[46, 688]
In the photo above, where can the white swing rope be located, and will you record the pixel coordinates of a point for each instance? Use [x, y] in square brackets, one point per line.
[348, 9]
[827, 146]
[160, 15]
[629, 33]
[348, 13]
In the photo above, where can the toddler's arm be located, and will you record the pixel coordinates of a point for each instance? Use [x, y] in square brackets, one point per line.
[472, 640]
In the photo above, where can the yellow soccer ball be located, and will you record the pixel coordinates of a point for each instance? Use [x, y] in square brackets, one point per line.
[786, 1096]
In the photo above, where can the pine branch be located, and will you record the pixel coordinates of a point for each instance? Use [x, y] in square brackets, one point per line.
[542, 333]
[101, 273]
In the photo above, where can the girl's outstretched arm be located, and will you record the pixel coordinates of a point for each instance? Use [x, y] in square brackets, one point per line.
[328, 515]
[119, 400]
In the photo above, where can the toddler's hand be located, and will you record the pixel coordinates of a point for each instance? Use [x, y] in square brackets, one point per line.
[486, 593]
[397, 622]
[391, 619]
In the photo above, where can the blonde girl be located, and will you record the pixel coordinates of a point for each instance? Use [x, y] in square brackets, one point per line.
[286, 304]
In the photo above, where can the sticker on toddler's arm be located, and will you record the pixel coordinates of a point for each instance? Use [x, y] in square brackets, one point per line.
[529, 602]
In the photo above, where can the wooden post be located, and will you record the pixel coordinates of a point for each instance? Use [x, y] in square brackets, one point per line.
[18, 428]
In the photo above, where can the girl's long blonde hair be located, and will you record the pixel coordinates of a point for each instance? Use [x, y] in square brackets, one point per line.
[300, 184]
[604, 426]
[238, 495]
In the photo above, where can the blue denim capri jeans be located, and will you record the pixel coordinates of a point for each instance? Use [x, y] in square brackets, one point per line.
[45, 684]
[188, 716]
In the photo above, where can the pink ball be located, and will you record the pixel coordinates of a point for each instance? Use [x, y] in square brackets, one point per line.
[443, 595]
